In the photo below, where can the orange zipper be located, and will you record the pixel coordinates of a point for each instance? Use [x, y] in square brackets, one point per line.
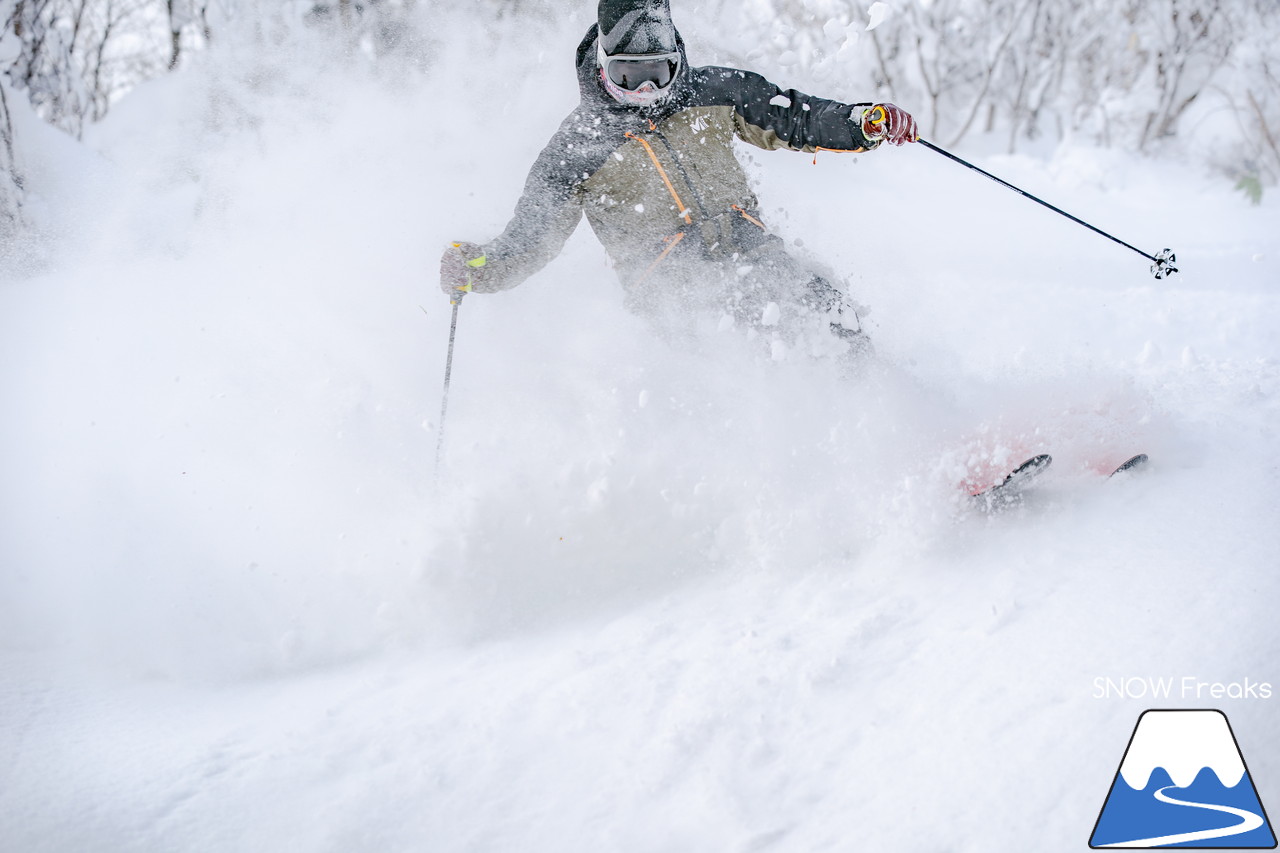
[657, 164]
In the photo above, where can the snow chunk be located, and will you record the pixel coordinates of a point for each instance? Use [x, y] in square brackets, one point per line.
[850, 43]
[877, 13]
[598, 491]
[780, 101]
[772, 314]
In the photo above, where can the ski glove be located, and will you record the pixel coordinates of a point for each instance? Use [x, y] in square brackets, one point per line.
[887, 123]
[462, 269]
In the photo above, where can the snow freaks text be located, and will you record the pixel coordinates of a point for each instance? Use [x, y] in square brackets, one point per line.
[1186, 687]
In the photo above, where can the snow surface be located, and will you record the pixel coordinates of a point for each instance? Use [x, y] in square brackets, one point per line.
[665, 595]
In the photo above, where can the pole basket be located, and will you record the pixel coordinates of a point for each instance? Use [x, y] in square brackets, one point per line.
[1164, 264]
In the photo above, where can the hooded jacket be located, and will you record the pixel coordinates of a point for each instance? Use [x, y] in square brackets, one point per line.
[661, 184]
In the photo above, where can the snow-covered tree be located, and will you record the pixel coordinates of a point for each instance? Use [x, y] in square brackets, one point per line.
[1135, 73]
[1130, 73]
[1251, 88]
[73, 57]
[11, 183]
[184, 16]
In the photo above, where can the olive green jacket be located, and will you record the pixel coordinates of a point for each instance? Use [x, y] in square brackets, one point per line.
[660, 185]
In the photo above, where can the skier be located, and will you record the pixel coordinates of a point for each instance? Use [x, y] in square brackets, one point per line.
[647, 156]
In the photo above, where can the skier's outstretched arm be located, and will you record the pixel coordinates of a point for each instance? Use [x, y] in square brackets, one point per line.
[771, 118]
[546, 215]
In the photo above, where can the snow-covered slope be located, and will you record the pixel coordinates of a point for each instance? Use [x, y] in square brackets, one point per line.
[665, 595]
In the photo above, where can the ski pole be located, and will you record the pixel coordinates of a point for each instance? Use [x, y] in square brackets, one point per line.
[448, 373]
[1162, 262]
[456, 302]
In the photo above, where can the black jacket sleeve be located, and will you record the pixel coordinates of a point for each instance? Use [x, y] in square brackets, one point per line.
[545, 217]
[771, 118]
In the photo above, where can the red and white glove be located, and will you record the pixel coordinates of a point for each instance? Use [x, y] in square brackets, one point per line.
[888, 123]
[462, 269]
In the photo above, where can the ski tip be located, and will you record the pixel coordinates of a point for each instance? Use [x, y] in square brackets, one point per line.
[1032, 466]
[1023, 471]
[1132, 464]
[1009, 492]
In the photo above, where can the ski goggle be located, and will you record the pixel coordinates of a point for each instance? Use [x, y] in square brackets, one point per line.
[631, 72]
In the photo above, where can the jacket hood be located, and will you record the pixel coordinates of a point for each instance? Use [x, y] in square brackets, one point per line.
[636, 27]
[594, 96]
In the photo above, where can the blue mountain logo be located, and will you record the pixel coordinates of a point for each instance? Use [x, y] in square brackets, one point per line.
[1183, 783]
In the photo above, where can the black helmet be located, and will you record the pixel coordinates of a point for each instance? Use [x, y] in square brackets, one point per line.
[638, 51]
